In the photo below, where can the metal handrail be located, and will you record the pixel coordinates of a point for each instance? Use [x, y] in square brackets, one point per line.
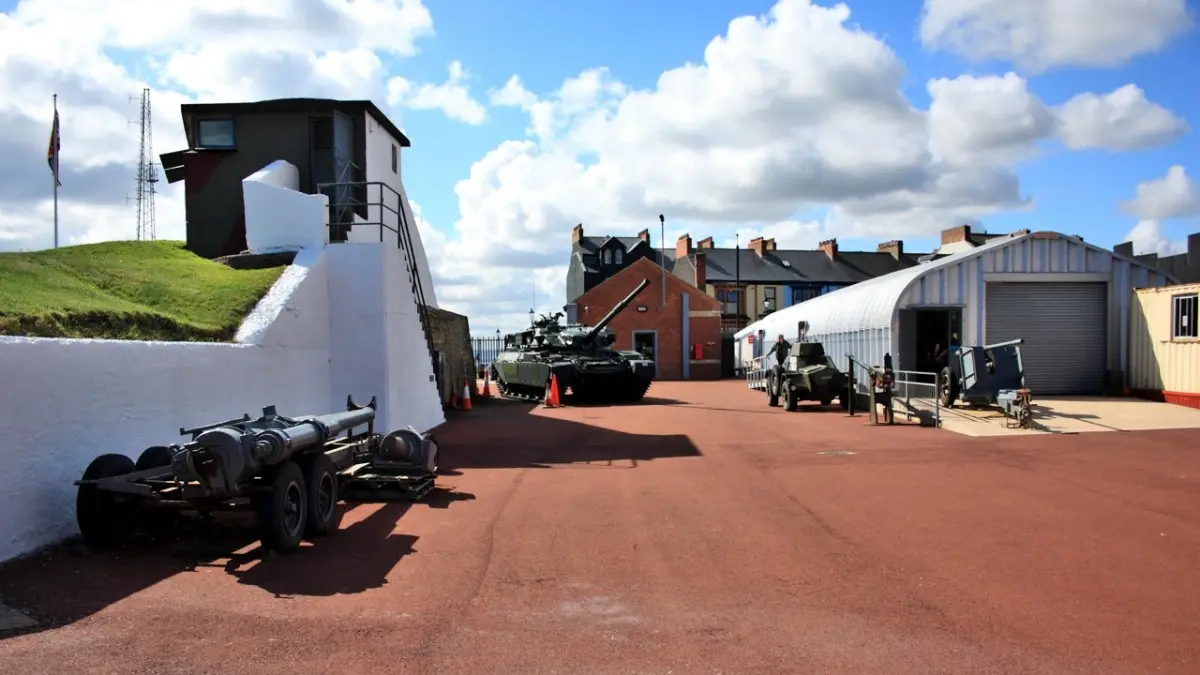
[403, 241]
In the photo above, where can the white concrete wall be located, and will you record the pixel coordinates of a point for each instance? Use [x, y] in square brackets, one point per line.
[81, 398]
[379, 169]
[387, 357]
[277, 215]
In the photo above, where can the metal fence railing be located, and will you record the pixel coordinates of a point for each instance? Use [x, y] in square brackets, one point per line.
[917, 392]
[914, 391]
[485, 348]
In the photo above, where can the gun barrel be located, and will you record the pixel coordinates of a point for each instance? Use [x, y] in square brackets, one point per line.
[612, 314]
[1010, 343]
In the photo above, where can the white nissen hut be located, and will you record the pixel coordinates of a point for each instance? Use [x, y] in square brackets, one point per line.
[1069, 300]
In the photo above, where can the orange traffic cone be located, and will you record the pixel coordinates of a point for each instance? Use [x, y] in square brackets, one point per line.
[466, 397]
[552, 395]
[487, 384]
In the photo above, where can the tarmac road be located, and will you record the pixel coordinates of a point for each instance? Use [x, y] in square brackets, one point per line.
[700, 532]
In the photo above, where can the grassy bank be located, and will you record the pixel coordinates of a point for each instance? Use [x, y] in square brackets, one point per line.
[149, 290]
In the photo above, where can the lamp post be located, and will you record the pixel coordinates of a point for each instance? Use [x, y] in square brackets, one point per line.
[662, 254]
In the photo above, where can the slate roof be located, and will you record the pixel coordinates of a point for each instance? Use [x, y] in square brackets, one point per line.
[588, 249]
[799, 266]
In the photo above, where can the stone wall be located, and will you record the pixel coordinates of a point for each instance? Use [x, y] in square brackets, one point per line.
[451, 337]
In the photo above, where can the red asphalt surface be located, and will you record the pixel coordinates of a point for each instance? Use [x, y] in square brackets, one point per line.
[699, 532]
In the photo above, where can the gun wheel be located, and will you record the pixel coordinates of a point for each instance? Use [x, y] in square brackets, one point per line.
[320, 479]
[105, 519]
[947, 388]
[283, 512]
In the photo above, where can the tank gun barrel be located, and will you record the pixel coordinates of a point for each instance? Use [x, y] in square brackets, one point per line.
[612, 314]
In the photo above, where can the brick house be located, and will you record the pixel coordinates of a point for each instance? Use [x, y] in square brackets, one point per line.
[683, 348]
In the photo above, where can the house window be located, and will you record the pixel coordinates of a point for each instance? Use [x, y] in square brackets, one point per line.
[215, 133]
[728, 297]
[1185, 313]
[395, 158]
[608, 257]
[617, 256]
[769, 299]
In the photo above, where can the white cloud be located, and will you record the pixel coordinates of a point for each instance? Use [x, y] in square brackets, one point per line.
[1148, 236]
[1042, 34]
[793, 110]
[452, 97]
[1122, 119]
[1174, 195]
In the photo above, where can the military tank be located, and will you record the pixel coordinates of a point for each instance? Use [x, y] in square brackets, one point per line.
[579, 357]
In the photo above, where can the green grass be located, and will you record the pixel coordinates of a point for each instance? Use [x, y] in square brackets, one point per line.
[149, 290]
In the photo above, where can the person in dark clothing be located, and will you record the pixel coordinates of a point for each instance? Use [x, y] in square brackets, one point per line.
[780, 349]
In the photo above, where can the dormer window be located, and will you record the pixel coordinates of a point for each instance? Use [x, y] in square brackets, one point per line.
[608, 257]
[617, 256]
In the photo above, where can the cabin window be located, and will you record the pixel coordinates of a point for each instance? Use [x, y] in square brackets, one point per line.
[617, 254]
[1185, 313]
[215, 133]
[608, 257]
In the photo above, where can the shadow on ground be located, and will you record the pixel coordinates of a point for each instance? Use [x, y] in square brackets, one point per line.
[502, 434]
[69, 582]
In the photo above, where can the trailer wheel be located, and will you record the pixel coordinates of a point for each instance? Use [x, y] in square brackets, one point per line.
[321, 482]
[105, 519]
[283, 512]
[153, 520]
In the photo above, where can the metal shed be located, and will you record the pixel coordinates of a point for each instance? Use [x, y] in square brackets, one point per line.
[1068, 299]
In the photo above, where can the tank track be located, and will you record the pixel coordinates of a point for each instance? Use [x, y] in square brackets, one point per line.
[511, 393]
[632, 393]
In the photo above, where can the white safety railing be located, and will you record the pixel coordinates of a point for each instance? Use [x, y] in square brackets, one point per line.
[756, 372]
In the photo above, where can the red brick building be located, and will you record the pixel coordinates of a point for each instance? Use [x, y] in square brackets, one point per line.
[683, 349]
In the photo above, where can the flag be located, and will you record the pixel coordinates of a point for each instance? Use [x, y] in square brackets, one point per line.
[52, 151]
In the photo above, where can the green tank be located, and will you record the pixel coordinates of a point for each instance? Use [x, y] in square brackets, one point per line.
[810, 375]
[579, 357]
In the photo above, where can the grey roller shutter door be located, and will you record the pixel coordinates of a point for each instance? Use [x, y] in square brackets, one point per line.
[1065, 330]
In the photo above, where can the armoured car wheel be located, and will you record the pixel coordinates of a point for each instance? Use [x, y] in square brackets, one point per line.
[826, 401]
[790, 400]
[105, 518]
[321, 483]
[283, 512]
[844, 399]
[772, 392]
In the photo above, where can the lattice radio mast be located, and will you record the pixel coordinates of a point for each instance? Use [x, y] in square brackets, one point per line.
[147, 173]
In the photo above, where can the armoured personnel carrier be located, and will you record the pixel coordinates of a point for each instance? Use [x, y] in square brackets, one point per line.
[579, 357]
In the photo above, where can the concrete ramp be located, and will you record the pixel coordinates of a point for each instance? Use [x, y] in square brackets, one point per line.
[1075, 415]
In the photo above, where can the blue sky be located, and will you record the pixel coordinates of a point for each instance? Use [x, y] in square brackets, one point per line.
[1074, 191]
[795, 131]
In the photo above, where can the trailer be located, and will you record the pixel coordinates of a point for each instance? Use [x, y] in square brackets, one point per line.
[290, 471]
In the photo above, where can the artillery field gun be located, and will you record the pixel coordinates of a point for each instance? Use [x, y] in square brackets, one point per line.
[579, 357]
[290, 471]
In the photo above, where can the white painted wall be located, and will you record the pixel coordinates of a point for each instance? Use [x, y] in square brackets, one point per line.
[81, 398]
[340, 320]
[278, 215]
[379, 169]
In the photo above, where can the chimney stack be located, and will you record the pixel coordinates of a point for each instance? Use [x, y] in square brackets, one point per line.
[644, 235]
[895, 247]
[706, 242]
[757, 245]
[960, 233]
[769, 244]
[701, 269]
[577, 234]
[683, 246]
[829, 248]
[1193, 250]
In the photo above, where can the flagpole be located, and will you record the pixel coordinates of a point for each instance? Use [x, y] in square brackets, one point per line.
[56, 163]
